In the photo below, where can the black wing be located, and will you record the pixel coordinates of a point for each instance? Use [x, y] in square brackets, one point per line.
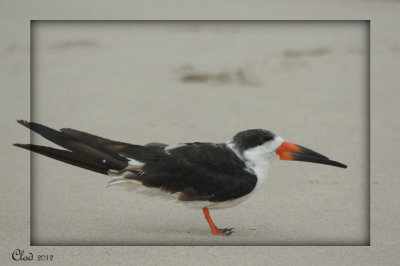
[200, 171]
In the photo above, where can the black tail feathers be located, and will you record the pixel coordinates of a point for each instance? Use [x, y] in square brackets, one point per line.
[73, 158]
[83, 150]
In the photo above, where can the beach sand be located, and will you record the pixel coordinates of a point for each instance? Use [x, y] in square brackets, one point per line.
[181, 82]
[174, 82]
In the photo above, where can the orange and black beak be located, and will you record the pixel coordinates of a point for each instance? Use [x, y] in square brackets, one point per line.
[290, 151]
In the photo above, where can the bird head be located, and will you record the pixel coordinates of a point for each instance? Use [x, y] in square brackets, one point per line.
[258, 144]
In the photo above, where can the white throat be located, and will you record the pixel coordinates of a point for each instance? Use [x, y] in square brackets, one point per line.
[257, 159]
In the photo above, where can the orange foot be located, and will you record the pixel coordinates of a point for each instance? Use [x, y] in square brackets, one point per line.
[222, 232]
[214, 229]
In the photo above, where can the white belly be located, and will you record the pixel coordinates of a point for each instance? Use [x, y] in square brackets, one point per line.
[216, 205]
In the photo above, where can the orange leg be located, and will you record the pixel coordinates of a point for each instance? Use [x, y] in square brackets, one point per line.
[214, 229]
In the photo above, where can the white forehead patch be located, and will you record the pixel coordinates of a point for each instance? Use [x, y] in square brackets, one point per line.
[258, 158]
[262, 152]
[274, 144]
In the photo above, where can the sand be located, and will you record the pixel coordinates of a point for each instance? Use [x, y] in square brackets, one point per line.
[173, 82]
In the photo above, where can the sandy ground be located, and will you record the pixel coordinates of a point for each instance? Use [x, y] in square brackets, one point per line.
[176, 82]
[180, 82]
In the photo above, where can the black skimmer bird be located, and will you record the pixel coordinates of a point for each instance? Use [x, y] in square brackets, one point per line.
[203, 175]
